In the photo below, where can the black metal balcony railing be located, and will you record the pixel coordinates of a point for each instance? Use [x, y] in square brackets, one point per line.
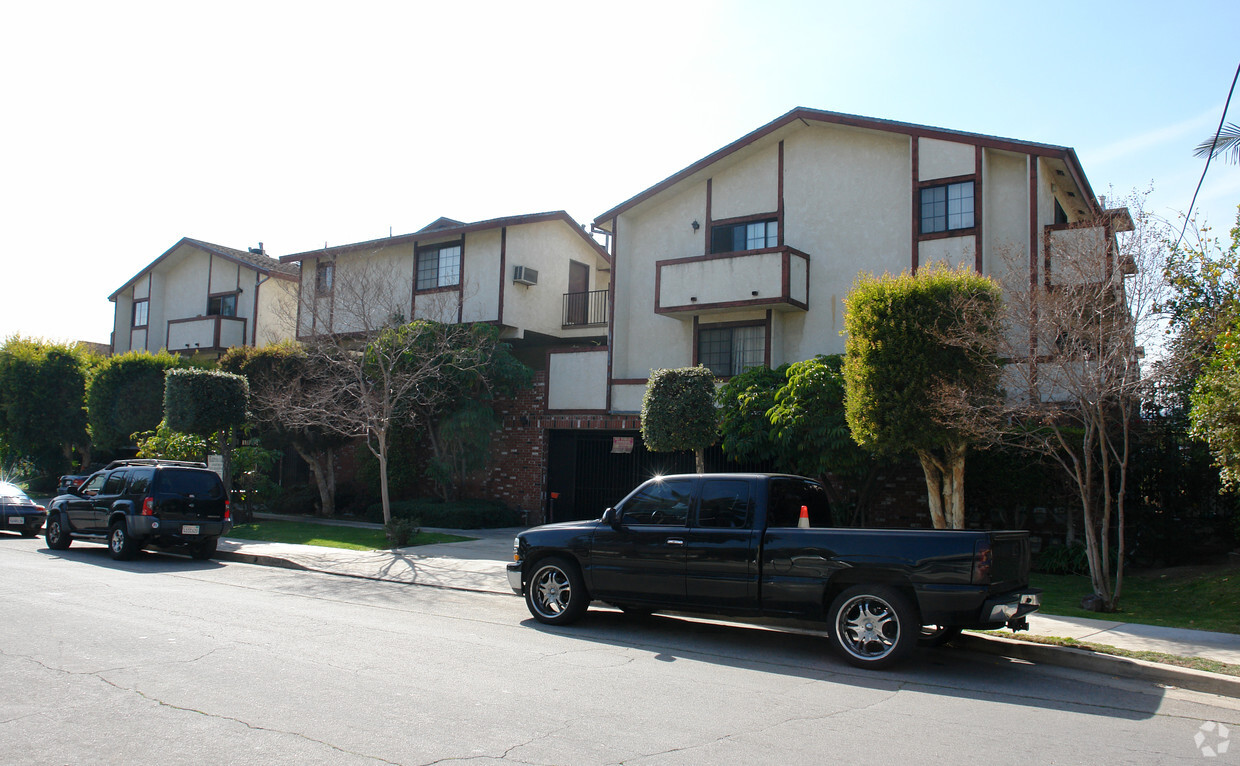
[585, 309]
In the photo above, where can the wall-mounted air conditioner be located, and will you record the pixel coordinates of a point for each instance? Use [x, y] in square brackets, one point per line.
[524, 275]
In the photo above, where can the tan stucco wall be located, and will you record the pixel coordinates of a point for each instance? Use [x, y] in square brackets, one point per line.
[277, 312]
[1005, 212]
[577, 381]
[548, 247]
[748, 187]
[944, 159]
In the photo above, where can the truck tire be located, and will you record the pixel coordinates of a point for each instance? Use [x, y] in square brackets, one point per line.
[937, 635]
[57, 533]
[873, 626]
[556, 594]
[120, 544]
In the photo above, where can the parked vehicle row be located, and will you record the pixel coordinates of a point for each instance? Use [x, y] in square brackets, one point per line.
[131, 504]
[763, 546]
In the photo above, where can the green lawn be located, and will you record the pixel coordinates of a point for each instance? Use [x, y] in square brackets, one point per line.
[1201, 600]
[329, 536]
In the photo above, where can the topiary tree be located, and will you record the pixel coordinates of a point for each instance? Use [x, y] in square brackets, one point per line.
[125, 396]
[678, 412]
[206, 402]
[914, 343]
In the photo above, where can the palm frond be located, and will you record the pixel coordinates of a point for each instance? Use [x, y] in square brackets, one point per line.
[1227, 143]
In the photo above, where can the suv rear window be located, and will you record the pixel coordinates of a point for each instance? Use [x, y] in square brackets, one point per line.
[180, 481]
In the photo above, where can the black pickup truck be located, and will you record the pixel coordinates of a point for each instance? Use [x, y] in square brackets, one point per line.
[762, 546]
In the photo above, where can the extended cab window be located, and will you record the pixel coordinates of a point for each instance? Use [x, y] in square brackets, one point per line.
[787, 498]
[725, 504]
[660, 502]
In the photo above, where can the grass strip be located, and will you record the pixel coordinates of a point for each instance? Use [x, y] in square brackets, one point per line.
[1195, 663]
[330, 535]
[1190, 599]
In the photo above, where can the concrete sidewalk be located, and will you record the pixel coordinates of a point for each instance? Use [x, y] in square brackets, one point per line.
[479, 565]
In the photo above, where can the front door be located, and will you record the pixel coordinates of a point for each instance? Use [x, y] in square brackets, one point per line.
[577, 309]
[721, 551]
[642, 558]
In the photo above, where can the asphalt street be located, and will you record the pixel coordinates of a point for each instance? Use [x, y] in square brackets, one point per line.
[168, 660]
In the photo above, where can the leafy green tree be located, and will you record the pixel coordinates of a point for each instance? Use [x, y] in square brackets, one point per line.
[42, 393]
[745, 402]
[1215, 412]
[165, 443]
[206, 402]
[125, 396]
[913, 343]
[678, 412]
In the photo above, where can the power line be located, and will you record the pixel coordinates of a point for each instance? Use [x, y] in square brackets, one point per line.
[1209, 156]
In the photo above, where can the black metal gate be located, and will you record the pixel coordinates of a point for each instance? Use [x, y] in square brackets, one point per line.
[584, 475]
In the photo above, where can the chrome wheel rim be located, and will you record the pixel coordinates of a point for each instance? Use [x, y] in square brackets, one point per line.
[118, 540]
[867, 627]
[552, 591]
[53, 531]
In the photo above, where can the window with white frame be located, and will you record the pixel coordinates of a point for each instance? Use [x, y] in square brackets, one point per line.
[753, 235]
[439, 266]
[728, 351]
[947, 207]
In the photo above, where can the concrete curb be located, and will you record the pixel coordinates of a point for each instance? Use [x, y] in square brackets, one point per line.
[1108, 664]
[265, 561]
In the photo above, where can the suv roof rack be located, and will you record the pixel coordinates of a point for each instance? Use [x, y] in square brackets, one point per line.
[154, 461]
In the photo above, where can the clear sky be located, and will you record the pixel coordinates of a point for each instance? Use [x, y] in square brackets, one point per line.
[126, 126]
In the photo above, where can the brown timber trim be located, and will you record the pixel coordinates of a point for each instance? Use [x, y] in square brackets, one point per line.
[916, 220]
[709, 194]
[779, 210]
[460, 285]
[766, 349]
[503, 269]
[259, 279]
[631, 381]
[611, 304]
[693, 347]
[1033, 221]
[977, 208]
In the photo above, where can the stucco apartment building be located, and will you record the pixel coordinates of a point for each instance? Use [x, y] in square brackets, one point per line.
[202, 298]
[745, 257]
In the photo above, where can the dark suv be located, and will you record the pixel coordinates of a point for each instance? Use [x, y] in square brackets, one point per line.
[133, 503]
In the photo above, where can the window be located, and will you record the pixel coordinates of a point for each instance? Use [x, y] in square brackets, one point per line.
[729, 351]
[725, 504]
[140, 480]
[324, 276]
[660, 502]
[115, 484]
[94, 484]
[730, 238]
[140, 312]
[222, 306]
[787, 497]
[947, 208]
[439, 266]
[191, 483]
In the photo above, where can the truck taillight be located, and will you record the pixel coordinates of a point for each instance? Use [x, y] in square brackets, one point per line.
[983, 557]
[148, 507]
[227, 510]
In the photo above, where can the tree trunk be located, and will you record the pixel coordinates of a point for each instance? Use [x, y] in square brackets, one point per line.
[699, 459]
[384, 495]
[953, 486]
[934, 488]
[324, 472]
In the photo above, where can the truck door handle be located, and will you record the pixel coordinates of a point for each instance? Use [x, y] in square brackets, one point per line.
[675, 541]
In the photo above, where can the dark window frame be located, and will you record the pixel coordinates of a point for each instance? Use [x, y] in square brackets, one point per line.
[217, 309]
[730, 327]
[146, 302]
[737, 229]
[946, 185]
[423, 272]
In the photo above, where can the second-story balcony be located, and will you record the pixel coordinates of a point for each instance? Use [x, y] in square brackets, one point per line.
[209, 333]
[585, 309]
[774, 277]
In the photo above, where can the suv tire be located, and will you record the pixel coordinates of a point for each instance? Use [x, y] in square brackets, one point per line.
[57, 533]
[120, 544]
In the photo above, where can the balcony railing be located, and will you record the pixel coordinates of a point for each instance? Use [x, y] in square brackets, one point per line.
[585, 309]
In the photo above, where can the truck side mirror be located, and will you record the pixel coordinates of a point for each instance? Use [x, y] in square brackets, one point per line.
[611, 518]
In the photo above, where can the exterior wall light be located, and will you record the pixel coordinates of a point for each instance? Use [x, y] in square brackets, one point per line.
[695, 225]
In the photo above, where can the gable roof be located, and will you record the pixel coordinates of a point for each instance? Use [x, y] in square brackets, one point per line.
[446, 227]
[264, 264]
[808, 116]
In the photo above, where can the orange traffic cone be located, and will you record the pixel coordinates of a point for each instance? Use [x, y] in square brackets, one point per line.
[803, 522]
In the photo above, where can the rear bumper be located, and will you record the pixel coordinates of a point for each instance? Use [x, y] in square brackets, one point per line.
[974, 607]
[23, 521]
[175, 531]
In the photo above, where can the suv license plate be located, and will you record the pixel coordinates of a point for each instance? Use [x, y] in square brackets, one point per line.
[17, 520]
[189, 529]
